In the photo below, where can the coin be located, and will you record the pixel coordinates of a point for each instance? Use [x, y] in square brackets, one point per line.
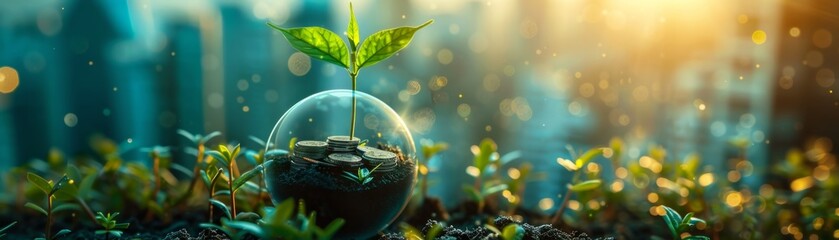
[343, 139]
[344, 159]
[379, 155]
[363, 149]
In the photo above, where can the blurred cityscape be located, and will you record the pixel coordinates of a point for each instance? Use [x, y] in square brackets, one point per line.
[536, 76]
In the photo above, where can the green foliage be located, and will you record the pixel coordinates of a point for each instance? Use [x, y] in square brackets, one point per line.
[679, 225]
[362, 177]
[383, 44]
[278, 223]
[49, 188]
[110, 225]
[410, 232]
[484, 154]
[585, 185]
[3, 230]
[198, 138]
[320, 43]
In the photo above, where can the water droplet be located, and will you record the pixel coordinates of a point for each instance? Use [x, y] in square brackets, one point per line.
[9, 79]
[759, 37]
[794, 32]
[445, 56]
[70, 119]
[299, 64]
[822, 38]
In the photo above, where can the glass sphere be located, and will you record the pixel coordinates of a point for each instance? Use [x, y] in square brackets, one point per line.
[311, 158]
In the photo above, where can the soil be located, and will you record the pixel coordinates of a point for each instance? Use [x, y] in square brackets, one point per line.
[545, 231]
[367, 209]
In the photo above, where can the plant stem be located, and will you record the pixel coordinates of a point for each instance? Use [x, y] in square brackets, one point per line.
[352, 118]
[156, 168]
[86, 208]
[195, 172]
[49, 217]
[558, 216]
[230, 186]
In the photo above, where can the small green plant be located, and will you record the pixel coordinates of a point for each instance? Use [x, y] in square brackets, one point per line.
[199, 142]
[410, 232]
[576, 184]
[320, 43]
[210, 177]
[3, 230]
[362, 177]
[429, 150]
[228, 158]
[49, 188]
[110, 225]
[679, 226]
[485, 157]
[280, 223]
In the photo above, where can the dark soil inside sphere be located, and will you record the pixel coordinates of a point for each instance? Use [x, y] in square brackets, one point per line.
[366, 208]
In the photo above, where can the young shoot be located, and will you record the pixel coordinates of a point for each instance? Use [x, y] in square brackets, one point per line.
[576, 184]
[362, 177]
[323, 44]
[228, 158]
[49, 188]
[109, 224]
[679, 226]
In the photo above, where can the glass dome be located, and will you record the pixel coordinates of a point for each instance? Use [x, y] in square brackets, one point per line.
[313, 159]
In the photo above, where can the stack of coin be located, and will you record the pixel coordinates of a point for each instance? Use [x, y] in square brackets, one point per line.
[342, 144]
[310, 149]
[344, 160]
[360, 150]
[375, 157]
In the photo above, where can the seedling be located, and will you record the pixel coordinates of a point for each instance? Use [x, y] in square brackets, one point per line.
[49, 188]
[110, 225]
[210, 177]
[680, 226]
[429, 150]
[280, 223]
[410, 232]
[199, 142]
[320, 43]
[576, 184]
[485, 156]
[156, 153]
[362, 177]
[228, 157]
[3, 230]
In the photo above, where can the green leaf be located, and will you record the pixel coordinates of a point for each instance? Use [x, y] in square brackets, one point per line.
[473, 193]
[221, 206]
[694, 221]
[586, 186]
[434, 231]
[283, 211]
[219, 156]
[245, 226]
[238, 182]
[8, 226]
[686, 218]
[39, 182]
[205, 178]
[484, 154]
[489, 190]
[65, 207]
[210, 136]
[588, 156]
[696, 237]
[352, 30]
[672, 218]
[513, 232]
[331, 229]
[36, 208]
[61, 233]
[192, 138]
[317, 42]
[385, 43]
[121, 225]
